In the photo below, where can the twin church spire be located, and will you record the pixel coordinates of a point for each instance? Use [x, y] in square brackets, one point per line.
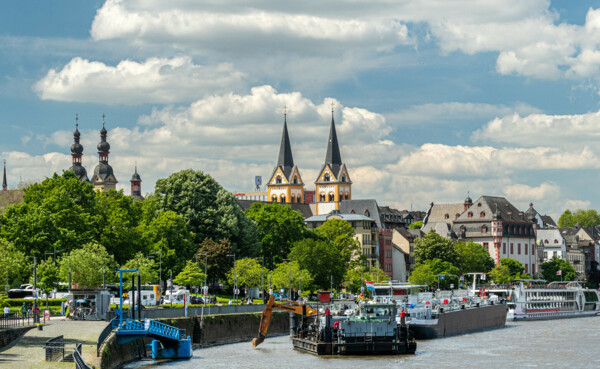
[331, 187]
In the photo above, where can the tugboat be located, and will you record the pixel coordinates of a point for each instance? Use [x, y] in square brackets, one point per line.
[371, 330]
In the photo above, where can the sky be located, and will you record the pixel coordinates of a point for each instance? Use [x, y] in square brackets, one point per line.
[433, 99]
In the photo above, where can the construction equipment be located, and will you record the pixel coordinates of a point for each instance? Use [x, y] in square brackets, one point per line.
[265, 319]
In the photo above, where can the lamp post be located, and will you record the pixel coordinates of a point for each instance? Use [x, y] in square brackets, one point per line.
[34, 288]
[262, 275]
[205, 286]
[234, 278]
[289, 277]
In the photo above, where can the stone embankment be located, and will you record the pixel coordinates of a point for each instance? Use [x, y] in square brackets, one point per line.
[207, 331]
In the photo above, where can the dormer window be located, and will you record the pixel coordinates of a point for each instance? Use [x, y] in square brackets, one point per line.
[482, 214]
[479, 204]
[555, 241]
[470, 215]
[367, 213]
[352, 211]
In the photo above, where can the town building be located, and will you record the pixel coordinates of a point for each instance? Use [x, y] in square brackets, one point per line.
[543, 221]
[404, 247]
[552, 242]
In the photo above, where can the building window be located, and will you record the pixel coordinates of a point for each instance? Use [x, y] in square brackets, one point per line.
[388, 253]
[347, 197]
[482, 214]
[484, 229]
[504, 248]
[518, 249]
[526, 268]
[322, 197]
[554, 254]
[343, 178]
[456, 215]
[352, 211]
[533, 250]
[282, 198]
[546, 242]
[446, 216]
[326, 177]
[532, 268]
[388, 242]
[526, 249]
[295, 180]
[470, 215]
[367, 213]
[512, 248]
[555, 241]
[487, 246]
[463, 229]
[388, 267]
[331, 197]
[278, 180]
[274, 198]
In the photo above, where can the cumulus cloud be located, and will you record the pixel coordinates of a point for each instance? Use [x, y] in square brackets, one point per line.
[542, 129]
[522, 192]
[528, 35]
[576, 204]
[155, 80]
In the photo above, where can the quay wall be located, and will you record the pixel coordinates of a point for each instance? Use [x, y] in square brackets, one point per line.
[212, 330]
[8, 335]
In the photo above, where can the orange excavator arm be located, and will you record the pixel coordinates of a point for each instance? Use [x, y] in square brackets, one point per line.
[265, 318]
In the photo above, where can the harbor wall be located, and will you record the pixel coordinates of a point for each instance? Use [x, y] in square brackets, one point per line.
[212, 330]
[9, 335]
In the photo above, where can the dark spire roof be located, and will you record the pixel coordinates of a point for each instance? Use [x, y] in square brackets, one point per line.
[4, 184]
[286, 161]
[136, 177]
[103, 146]
[76, 147]
[333, 156]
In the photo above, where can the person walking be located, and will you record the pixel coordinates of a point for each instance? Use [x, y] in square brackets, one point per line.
[6, 311]
[24, 309]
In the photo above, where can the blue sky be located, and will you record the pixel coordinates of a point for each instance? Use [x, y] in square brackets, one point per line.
[432, 98]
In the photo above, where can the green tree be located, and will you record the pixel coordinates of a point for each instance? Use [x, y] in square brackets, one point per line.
[191, 275]
[218, 261]
[60, 212]
[473, 257]
[209, 210]
[355, 276]
[341, 235]
[146, 267]
[15, 268]
[48, 275]
[249, 273]
[86, 265]
[433, 246]
[280, 276]
[552, 266]
[416, 225]
[507, 270]
[323, 261]
[278, 228]
[428, 273]
[585, 218]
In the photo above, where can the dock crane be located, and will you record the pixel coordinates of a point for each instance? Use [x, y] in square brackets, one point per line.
[265, 319]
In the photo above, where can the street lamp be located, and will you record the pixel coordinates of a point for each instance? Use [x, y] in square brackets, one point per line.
[262, 275]
[205, 286]
[234, 278]
[159, 267]
[34, 288]
[290, 277]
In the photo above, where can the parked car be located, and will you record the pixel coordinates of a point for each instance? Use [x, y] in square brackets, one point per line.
[196, 300]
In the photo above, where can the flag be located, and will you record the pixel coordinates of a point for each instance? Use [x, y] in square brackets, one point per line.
[462, 277]
[559, 272]
[370, 285]
[483, 277]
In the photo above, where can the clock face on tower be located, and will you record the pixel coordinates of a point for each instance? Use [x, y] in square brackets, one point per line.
[258, 180]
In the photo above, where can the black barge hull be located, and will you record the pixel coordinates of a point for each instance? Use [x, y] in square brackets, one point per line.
[354, 348]
[462, 321]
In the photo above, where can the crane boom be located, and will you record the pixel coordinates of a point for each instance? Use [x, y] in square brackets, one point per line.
[265, 318]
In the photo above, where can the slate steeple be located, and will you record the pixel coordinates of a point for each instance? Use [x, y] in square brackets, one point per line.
[77, 153]
[104, 177]
[136, 185]
[333, 156]
[286, 160]
[4, 184]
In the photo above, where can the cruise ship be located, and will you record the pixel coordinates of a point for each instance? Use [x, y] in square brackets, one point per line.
[535, 299]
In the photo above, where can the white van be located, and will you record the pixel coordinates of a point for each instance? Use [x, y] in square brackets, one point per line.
[148, 298]
[177, 297]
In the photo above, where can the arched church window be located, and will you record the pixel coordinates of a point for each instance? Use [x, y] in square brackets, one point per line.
[295, 180]
[278, 180]
[326, 177]
[331, 197]
[343, 178]
[282, 198]
[347, 197]
[322, 197]
[274, 198]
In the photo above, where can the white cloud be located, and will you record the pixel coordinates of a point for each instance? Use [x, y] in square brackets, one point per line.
[546, 191]
[576, 204]
[543, 129]
[156, 80]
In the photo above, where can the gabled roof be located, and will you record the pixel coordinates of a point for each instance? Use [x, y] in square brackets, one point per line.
[550, 235]
[486, 207]
[346, 217]
[362, 207]
[442, 228]
[445, 213]
[548, 221]
[410, 234]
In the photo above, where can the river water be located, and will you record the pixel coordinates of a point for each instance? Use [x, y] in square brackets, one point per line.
[572, 343]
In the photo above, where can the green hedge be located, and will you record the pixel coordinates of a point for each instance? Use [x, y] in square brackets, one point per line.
[41, 302]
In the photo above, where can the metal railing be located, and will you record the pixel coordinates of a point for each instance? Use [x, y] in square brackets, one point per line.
[79, 362]
[15, 321]
[55, 349]
[103, 335]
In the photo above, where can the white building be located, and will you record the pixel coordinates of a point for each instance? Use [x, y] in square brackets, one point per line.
[553, 242]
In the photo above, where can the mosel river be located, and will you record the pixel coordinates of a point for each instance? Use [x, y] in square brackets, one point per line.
[563, 343]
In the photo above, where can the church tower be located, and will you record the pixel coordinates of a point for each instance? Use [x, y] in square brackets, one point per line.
[136, 186]
[77, 153]
[333, 183]
[104, 178]
[285, 185]
[4, 184]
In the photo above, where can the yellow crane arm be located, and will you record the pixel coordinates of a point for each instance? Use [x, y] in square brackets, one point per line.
[265, 318]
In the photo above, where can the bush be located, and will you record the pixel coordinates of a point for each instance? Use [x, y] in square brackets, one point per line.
[41, 302]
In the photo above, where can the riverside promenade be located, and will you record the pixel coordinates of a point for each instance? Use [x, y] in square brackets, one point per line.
[27, 351]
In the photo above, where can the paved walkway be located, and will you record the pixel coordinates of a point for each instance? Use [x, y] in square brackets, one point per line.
[27, 351]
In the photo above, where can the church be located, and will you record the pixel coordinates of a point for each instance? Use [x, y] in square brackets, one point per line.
[332, 185]
[103, 178]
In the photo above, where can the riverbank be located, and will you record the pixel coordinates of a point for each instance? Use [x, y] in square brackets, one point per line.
[212, 330]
